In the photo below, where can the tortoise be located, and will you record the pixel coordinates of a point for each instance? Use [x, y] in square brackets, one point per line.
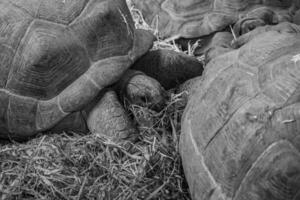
[240, 130]
[58, 58]
[65, 66]
[197, 18]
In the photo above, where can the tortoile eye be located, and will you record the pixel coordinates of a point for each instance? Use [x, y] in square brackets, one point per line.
[251, 27]
[144, 99]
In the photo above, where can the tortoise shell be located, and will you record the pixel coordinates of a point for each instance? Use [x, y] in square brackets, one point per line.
[240, 131]
[55, 57]
[196, 18]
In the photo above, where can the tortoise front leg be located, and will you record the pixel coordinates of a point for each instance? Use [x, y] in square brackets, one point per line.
[106, 116]
[103, 116]
[75, 122]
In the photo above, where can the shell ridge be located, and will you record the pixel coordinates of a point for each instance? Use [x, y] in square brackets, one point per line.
[16, 51]
[261, 156]
[81, 12]
[217, 187]
[20, 8]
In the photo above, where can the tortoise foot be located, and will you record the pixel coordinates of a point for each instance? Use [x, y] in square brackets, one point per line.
[107, 117]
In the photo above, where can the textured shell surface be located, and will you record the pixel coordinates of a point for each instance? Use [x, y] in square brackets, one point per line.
[196, 18]
[240, 130]
[56, 55]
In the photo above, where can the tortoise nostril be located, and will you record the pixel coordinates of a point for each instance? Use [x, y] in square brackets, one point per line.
[144, 99]
[251, 27]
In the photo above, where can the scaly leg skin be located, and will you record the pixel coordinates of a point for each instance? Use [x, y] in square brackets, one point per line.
[107, 117]
[104, 116]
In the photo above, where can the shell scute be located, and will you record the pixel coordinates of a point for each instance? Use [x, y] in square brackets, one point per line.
[58, 55]
[243, 121]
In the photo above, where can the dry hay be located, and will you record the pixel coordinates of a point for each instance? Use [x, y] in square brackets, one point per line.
[73, 166]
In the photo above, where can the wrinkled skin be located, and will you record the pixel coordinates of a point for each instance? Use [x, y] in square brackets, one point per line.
[142, 90]
[111, 118]
[168, 67]
[296, 18]
[284, 27]
[260, 16]
[106, 116]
